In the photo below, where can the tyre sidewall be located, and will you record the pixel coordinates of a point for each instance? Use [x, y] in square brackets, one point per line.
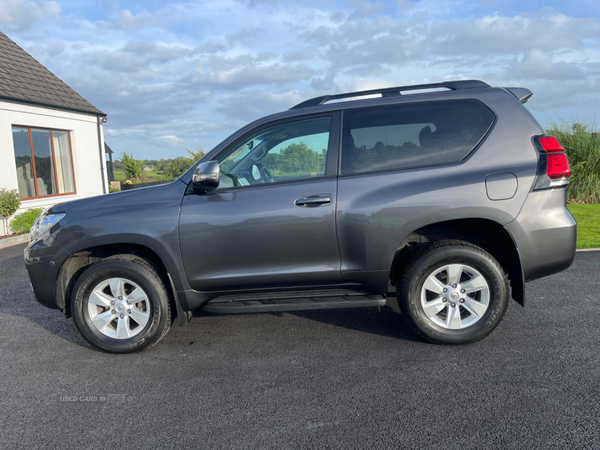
[430, 262]
[147, 280]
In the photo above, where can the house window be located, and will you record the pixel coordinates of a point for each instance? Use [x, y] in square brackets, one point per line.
[44, 163]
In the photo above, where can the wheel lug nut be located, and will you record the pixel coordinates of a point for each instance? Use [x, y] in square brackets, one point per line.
[462, 300]
[128, 311]
[454, 286]
[120, 298]
[113, 312]
[462, 291]
[444, 299]
[112, 302]
[128, 302]
[453, 304]
[122, 315]
[445, 290]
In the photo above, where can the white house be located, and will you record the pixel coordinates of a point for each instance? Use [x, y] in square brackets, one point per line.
[51, 138]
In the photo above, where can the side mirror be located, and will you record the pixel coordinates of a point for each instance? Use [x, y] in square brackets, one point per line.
[206, 176]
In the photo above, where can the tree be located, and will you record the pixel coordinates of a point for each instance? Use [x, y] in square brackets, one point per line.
[298, 159]
[179, 165]
[197, 154]
[10, 200]
[131, 166]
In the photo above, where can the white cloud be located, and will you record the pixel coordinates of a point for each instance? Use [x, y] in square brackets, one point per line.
[127, 21]
[171, 140]
[537, 65]
[23, 13]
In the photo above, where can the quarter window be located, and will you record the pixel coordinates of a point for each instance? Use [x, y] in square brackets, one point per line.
[412, 135]
[44, 163]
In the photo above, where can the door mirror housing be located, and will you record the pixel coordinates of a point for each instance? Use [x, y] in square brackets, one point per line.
[206, 176]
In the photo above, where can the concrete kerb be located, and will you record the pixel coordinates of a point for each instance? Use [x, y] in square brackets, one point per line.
[14, 240]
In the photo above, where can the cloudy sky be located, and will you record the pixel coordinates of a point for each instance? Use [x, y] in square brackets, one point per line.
[173, 75]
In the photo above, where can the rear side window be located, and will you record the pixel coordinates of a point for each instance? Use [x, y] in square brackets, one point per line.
[404, 136]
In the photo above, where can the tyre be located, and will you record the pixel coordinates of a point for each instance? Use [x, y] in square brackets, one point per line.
[453, 292]
[120, 304]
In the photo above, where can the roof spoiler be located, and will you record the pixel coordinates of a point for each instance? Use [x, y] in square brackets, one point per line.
[522, 94]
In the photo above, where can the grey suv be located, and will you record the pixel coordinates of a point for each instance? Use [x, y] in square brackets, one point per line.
[453, 194]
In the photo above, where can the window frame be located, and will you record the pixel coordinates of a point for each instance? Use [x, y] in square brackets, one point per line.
[333, 148]
[416, 167]
[69, 132]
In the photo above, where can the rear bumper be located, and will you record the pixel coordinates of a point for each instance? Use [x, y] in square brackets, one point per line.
[545, 233]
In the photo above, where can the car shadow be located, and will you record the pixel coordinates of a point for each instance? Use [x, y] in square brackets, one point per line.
[382, 321]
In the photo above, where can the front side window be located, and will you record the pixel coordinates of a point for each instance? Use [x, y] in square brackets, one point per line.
[286, 152]
[404, 136]
[43, 160]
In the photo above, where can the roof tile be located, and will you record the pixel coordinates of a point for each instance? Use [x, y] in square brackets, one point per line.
[23, 78]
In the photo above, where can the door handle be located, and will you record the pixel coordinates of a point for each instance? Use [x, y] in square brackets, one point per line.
[314, 200]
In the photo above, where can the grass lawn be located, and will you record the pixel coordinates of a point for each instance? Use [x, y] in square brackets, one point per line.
[588, 224]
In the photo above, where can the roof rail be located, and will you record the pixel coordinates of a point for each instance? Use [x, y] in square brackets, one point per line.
[389, 92]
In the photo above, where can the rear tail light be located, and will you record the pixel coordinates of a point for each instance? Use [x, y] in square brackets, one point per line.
[558, 166]
[554, 165]
[551, 144]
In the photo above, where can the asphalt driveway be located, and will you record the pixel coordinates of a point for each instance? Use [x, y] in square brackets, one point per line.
[330, 379]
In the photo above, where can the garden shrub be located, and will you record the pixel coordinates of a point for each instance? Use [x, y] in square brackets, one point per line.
[22, 222]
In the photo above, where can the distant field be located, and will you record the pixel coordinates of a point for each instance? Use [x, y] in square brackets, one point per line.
[588, 224]
[121, 176]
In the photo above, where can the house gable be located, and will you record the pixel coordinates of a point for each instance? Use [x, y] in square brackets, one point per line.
[25, 80]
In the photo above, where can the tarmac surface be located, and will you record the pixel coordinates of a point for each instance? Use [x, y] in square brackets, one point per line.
[347, 379]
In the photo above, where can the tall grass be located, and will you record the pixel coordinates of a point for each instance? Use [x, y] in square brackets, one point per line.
[581, 142]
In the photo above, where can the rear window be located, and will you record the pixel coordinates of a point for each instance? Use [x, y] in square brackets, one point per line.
[404, 136]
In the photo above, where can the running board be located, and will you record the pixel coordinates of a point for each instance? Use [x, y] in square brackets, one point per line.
[242, 306]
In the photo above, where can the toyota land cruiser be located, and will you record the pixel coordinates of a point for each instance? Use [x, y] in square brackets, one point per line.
[453, 194]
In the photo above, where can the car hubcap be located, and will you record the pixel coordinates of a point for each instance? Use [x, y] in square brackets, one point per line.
[455, 296]
[119, 308]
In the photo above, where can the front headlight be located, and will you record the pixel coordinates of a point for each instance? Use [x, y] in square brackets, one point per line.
[43, 224]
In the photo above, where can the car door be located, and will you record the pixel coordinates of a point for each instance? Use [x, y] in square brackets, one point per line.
[271, 221]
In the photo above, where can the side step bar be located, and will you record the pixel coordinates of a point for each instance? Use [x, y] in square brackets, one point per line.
[241, 306]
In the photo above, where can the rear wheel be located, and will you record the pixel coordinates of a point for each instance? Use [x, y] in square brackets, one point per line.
[120, 304]
[453, 292]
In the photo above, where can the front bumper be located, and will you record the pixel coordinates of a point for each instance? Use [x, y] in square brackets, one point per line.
[43, 259]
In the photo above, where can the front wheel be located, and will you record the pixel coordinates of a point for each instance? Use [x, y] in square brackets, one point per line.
[453, 292]
[120, 304]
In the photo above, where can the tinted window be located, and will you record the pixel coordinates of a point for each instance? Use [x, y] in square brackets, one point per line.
[290, 151]
[411, 135]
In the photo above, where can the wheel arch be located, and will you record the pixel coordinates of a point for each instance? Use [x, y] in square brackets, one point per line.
[78, 262]
[485, 233]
